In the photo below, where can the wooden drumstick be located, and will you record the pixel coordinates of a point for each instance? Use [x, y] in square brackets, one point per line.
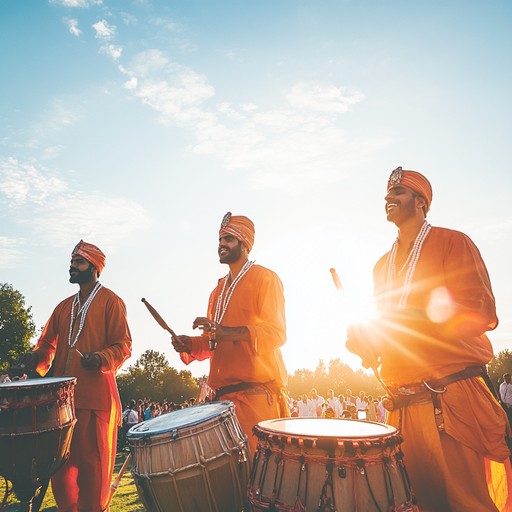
[336, 279]
[115, 483]
[373, 367]
[158, 318]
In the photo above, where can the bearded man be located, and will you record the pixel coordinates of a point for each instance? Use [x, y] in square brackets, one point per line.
[87, 337]
[243, 331]
[435, 301]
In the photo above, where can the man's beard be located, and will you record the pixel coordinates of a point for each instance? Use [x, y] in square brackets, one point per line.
[233, 254]
[82, 276]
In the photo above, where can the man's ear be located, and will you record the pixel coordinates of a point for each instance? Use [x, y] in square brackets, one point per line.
[421, 203]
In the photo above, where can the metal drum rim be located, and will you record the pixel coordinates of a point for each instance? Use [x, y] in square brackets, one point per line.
[262, 428]
[37, 383]
[142, 429]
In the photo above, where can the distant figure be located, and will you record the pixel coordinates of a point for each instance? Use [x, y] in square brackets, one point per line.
[506, 395]
[315, 403]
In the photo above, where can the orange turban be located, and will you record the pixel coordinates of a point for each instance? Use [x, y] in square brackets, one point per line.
[91, 253]
[413, 180]
[242, 228]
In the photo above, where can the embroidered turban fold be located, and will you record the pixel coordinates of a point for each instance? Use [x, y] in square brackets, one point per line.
[91, 253]
[242, 228]
[413, 180]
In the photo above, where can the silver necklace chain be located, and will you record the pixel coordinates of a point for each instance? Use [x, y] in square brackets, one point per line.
[409, 264]
[223, 301]
[82, 311]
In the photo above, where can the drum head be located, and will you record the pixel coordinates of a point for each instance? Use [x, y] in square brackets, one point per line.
[181, 418]
[35, 383]
[327, 427]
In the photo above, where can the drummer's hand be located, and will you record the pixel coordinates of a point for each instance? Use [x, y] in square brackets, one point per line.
[29, 360]
[182, 343]
[359, 341]
[27, 363]
[91, 361]
[203, 323]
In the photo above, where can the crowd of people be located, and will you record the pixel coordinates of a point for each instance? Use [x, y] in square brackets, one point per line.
[142, 410]
[349, 406]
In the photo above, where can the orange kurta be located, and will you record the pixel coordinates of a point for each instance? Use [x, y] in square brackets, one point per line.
[257, 303]
[441, 331]
[97, 403]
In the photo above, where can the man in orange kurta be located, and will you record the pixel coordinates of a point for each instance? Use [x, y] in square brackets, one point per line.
[436, 304]
[87, 337]
[243, 332]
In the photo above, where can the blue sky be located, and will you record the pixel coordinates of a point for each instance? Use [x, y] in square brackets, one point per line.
[136, 125]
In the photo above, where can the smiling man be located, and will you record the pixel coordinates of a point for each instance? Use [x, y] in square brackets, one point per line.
[87, 337]
[243, 332]
[436, 304]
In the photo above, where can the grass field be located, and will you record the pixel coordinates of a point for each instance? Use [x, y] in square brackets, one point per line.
[126, 498]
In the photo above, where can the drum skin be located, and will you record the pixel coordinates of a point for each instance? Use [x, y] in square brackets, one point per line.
[191, 460]
[37, 418]
[317, 464]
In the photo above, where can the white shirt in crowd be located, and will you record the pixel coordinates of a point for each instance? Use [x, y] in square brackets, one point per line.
[315, 406]
[506, 393]
[361, 404]
[303, 408]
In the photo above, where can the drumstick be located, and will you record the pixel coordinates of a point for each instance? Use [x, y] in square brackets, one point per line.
[373, 367]
[115, 483]
[158, 318]
[336, 279]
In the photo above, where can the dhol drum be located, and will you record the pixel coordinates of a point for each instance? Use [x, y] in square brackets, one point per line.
[37, 418]
[319, 464]
[191, 460]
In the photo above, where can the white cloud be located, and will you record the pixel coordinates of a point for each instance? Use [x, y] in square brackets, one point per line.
[322, 97]
[172, 90]
[60, 114]
[277, 147]
[72, 24]
[106, 219]
[10, 251]
[76, 3]
[23, 183]
[104, 30]
[112, 51]
[59, 213]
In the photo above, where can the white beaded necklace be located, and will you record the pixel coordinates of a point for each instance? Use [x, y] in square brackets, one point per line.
[82, 311]
[410, 263]
[223, 301]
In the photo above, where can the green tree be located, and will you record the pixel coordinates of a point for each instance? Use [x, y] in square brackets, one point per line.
[152, 378]
[500, 364]
[16, 326]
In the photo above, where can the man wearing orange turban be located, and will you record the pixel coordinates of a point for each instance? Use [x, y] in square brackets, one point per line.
[436, 304]
[243, 332]
[87, 337]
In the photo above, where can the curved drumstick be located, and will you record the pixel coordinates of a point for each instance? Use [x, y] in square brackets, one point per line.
[336, 279]
[373, 367]
[115, 483]
[158, 318]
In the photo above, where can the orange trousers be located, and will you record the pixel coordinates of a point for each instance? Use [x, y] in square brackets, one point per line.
[255, 405]
[447, 476]
[83, 483]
